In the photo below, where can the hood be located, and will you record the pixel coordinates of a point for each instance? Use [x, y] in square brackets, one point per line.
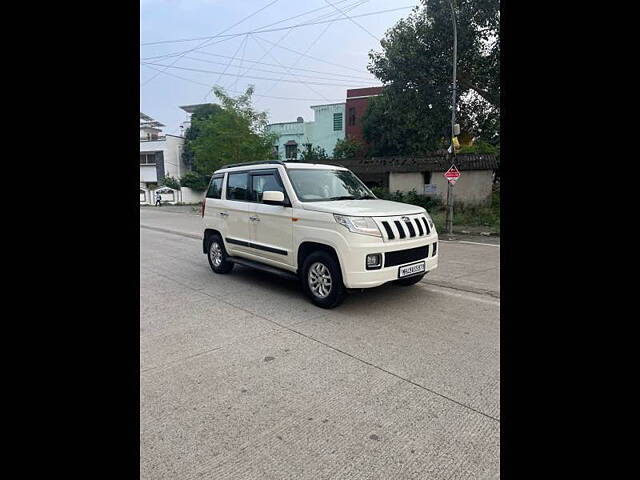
[364, 208]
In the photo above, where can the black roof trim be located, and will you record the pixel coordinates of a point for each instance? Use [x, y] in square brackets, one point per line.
[242, 164]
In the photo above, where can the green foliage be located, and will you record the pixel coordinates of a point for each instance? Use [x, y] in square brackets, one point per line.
[348, 148]
[202, 112]
[480, 146]
[413, 116]
[195, 181]
[171, 182]
[312, 154]
[237, 133]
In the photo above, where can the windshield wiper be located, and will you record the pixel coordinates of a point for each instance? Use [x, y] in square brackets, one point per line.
[367, 197]
[344, 197]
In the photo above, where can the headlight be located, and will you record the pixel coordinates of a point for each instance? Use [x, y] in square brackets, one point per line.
[363, 225]
[431, 224]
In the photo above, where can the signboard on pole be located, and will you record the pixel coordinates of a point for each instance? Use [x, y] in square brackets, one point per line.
[452, 175]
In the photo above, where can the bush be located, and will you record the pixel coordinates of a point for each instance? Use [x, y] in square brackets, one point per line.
[171, 182]
[348, 148]
[195, 181]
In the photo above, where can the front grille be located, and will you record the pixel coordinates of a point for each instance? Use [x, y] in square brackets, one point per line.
[401, 227]
[399, 257]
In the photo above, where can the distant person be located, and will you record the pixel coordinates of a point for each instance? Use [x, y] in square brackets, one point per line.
[158, 198]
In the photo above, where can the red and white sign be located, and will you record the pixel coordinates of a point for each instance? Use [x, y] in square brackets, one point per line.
[452, 175]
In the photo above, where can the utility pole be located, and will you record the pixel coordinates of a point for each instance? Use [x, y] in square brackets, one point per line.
[453, 121]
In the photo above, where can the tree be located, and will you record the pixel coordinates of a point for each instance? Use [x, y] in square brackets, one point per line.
[348, 148]
[413, 115]
[202, 112]
[237, 133]
[312, 154]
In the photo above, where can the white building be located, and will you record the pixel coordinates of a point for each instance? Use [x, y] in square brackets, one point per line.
[324, 131]
[160, 155]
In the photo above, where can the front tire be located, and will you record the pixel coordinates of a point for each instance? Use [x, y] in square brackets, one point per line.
[322, 280]
[217, 256]
[406, 282]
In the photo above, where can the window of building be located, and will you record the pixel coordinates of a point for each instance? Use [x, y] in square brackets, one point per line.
[147, 159]
[215, 188]
[352, 116]
[337, 121]
[265, 182]
[291, 151]
[237, 186]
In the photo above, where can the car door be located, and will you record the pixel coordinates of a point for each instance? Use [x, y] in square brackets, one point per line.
[214, 208]
[235, 212]
[271, 225]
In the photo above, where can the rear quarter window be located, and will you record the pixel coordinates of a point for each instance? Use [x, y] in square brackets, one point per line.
[215, 188]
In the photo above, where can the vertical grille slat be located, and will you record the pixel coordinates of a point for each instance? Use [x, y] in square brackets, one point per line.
[400, 229]
[420, 229]
[389, 231]
[426, 225]
[412, 231]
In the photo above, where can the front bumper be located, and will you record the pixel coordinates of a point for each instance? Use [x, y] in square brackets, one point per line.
[355, 274]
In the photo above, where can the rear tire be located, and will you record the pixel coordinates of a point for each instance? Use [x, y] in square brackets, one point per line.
[217, 255]
[322, 280]
[406, 282]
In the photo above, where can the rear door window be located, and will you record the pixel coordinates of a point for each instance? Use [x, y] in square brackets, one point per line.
[237, 184]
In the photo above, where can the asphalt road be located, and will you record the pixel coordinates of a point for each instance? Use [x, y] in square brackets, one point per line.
[242, 377]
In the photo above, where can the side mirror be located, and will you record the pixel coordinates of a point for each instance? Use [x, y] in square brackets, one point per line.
[271, 197]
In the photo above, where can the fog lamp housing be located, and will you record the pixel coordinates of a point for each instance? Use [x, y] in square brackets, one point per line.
[374, 261]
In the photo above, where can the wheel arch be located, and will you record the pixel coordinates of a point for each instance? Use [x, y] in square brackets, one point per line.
[306, 248]
[208, 233]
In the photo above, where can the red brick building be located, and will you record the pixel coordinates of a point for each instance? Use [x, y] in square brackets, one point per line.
[356, 105]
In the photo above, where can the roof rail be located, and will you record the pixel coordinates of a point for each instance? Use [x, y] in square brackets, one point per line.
[242, 164]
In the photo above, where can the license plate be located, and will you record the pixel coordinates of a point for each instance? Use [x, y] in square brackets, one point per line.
[412, 269]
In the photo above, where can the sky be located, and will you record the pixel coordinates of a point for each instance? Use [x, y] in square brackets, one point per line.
[237, 58]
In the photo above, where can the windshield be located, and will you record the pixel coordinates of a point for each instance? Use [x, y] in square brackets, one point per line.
[315, 185]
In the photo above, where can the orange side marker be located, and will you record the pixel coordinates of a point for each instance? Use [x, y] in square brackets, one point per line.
[294, 219]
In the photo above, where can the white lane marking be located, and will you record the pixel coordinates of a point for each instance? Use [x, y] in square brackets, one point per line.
[471, 243]
[472, 297]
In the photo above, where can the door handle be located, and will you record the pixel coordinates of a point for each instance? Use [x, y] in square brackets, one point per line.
[224, 214]
[254, 219]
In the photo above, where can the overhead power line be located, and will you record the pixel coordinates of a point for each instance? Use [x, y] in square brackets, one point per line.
[235, 75]
[159, 42]
[353, 21]
[309, 56]
[268, 51]
[203, 44]
[350, 80]
[346, 75]
[279, 29]
[238, 91]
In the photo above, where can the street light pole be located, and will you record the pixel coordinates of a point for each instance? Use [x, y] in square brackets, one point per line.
[453, 120]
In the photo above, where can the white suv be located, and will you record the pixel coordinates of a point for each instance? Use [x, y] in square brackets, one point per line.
[319, 222]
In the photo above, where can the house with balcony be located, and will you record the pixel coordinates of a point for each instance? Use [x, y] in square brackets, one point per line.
[160, 155]
[324, 131]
